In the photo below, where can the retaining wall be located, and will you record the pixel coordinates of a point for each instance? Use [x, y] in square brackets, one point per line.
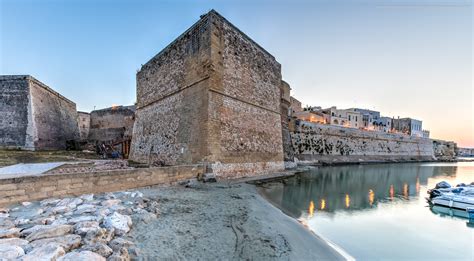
[326, 143]
[14, 190]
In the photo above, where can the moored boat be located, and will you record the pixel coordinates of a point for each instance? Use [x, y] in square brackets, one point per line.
[459, 197]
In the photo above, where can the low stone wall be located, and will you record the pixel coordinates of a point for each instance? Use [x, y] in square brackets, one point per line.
[331, 144]
[14, 190]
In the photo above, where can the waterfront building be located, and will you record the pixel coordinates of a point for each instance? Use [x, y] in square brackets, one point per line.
[426, 133]
[408, 126]
[295, 105]
[311, 116]
[383, 124]
[368, 117]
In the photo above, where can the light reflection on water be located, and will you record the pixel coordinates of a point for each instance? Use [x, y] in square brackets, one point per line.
[380, 211]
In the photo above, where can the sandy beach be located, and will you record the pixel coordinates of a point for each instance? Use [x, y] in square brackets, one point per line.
[217, 221]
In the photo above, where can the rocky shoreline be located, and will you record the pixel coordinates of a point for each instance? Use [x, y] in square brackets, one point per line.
[89, 227]
[207, 221]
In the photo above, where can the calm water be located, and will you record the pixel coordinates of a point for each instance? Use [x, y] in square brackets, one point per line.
[379, 211]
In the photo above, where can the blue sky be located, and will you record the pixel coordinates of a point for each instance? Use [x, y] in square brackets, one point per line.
[404, 58]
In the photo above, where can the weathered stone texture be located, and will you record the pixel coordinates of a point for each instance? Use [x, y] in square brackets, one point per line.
[37, 116]
[211, 96]
[111, 124]
[14, 104]
[84, 123]
[316, 142]
[31, 188]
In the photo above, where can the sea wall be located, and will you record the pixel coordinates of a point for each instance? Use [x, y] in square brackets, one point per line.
[13, 190]
[332, 144]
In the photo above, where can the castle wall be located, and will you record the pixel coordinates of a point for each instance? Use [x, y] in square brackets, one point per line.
[211, 96]
[332, 144]
[170, 126]
[244, 105]
[55, 117]
[14, 108]
[111, 124]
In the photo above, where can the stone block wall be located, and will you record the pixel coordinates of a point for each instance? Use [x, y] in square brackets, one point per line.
[211, 96]
[38, 118]
[111, 124]
[14, 190]
[15, 109]
[325, 143]
[84, 122]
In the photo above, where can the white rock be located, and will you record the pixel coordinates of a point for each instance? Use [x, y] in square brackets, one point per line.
[30, 230]
[85, 208]
[59, 209]
[14, 241]
[67, 242]
[26, 203]
[10, 252]
[87, 197]
[82, 256]
[120, 255]
[119, 242]
[102, 235]
[81, 228]
[48, 252]
[78, 219]
[121, 223]
[70, 202]
[21, 221]
[49, 231]
[110, 202]
[99, 248]
[4, 215]
[6, 223]
[9, 232]
[60, 221]
[49, 201]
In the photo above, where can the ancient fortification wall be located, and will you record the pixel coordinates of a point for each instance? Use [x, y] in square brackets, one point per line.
[211, 96]
[14, 108]
[171, 117]
[14, 190]
[55, 117]
[325, 143]
[37, 116]
[111, 124]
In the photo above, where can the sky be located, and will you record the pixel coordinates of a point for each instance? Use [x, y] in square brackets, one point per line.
[410, 58]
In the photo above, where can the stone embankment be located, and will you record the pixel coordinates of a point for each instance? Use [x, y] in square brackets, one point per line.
[88, 227]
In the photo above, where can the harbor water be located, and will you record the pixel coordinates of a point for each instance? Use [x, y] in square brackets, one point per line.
[380, 212]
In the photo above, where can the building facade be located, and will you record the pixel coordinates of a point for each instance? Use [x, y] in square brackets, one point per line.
[295, 105]
[35, 117]
[212, 96]
[408, 126]
[84, 123]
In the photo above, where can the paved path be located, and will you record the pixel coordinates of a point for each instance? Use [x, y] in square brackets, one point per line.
[29, 169]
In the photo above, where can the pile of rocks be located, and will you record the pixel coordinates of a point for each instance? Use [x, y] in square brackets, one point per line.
[88, 227]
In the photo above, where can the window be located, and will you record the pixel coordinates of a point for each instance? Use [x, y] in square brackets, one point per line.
[356, 119]
[349, 117]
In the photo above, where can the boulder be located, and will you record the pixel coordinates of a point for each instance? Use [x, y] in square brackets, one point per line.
[82, 256]
[59, 209]
[49, 201]
[67, 242]
[120, 255]
[110, 202]
[81, 228]
[101, 235]
[48, 252]
[6, 223]
[10, 252]
[49, 231]
[99, 248]
[13, 241]
[78, 219]
[9, 232]
[30, 230]
[87, 197]
[119, 243]
[26, 203]
[70, 202]
[21, 221]
[121, 223]
[85, 208]
[4, 215]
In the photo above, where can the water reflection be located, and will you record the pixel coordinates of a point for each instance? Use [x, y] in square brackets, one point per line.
[353, 188]
[379, 211]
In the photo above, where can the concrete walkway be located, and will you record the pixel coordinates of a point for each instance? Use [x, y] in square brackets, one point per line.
[29, 169]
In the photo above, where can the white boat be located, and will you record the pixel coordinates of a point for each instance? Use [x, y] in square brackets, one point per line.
[458, 198]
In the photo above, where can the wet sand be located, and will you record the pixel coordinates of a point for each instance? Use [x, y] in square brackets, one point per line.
[217, 221]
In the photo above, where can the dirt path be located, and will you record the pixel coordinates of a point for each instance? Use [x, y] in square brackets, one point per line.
[223, 222]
